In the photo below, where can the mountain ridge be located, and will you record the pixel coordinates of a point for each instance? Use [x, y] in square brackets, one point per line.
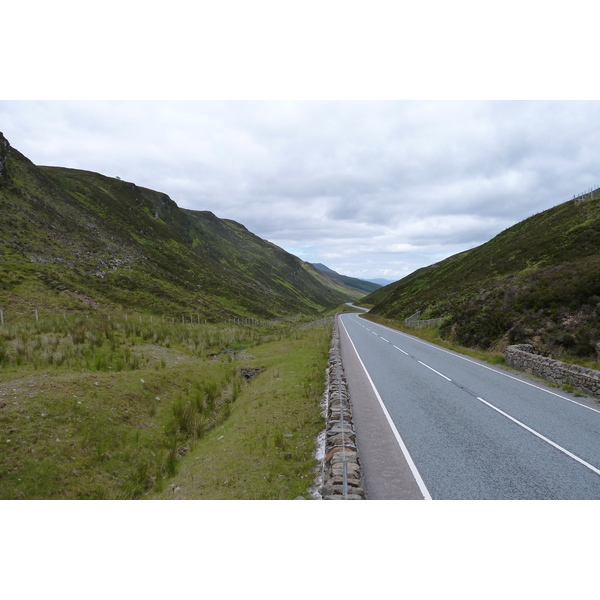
[536, 282]
[70, 233]
[361, 286]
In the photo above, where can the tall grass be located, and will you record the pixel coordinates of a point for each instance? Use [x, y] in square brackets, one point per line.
[102, 344]
[98, 410]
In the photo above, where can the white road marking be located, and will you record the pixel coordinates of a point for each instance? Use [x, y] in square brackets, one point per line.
[407, 456]
[498, 410]
[555, 445]
[456, 355]
[430, 368]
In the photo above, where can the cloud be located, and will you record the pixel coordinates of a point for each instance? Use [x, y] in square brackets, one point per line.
[371, 189]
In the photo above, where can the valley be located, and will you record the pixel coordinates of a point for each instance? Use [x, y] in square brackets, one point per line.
[133, 330]
[150, 351]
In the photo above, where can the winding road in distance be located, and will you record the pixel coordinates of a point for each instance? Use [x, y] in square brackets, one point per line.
[434, 424]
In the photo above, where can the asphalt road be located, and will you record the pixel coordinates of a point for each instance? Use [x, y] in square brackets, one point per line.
[435, 424]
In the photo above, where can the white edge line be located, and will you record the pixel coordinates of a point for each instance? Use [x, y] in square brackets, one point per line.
[407, 456]
[537, 387]
[573, 456]
[436, 372]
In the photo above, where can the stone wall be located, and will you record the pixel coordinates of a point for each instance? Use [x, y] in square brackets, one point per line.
[523, 358]
[340, 451]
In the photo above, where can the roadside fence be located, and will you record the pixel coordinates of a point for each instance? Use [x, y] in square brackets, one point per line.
[416, 323]
[588, 195]
[24, 316]
[319, 322]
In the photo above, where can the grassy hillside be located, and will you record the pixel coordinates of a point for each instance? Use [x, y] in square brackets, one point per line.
[76, 240]
[357, 287]
[98, 408]
[96, 402]
[536, 282]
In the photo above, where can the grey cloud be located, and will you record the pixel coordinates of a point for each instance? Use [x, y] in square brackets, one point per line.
[384, 187]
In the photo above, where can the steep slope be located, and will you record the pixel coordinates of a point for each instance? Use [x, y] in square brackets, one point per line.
[358, 287]
[536, 282]
[73, 239]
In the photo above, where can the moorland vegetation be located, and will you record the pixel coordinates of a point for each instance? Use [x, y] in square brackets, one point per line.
[134, 332]
[537, 282]
[98, 408]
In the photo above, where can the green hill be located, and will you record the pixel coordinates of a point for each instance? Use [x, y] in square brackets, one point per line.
[77, 240]
[536, 282]
[357, 287]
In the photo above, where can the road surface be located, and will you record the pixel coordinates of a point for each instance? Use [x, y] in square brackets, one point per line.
[435, 424]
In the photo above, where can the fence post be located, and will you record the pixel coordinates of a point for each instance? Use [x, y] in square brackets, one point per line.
[2, 317]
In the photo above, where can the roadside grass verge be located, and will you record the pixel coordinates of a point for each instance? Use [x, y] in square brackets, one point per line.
[265, 449]
[489, 356]
[494, 357]
[87, 429]
[433, 336]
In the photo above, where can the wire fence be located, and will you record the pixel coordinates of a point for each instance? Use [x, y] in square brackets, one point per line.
[588, 195]
[410, 320]
[428, 323]
[319, 322]
[18, 317]
[416, 323]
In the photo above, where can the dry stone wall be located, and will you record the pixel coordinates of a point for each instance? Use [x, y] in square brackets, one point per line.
[340, 452]
[523, 358]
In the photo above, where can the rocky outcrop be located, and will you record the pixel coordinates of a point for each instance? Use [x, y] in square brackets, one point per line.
[341, 472]
[523, 358]
[4, 147]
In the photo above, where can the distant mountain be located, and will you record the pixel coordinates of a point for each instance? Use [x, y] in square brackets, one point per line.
[323, 268]
[358, 286]
[381, 282]
[536, 282]
[77, 240]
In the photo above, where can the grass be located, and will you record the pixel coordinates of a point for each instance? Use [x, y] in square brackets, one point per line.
[433, 336]
[118, 417]
[73, 239]
[265, 449]
[493, 357]
[536, 282]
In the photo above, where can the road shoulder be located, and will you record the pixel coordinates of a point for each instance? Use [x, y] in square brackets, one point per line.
[386, 473]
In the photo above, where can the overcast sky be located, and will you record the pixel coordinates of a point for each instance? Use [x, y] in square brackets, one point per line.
[371, 189]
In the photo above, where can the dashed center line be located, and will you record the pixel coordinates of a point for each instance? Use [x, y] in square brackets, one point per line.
[437, 372]
[542, 437]
[480, 399]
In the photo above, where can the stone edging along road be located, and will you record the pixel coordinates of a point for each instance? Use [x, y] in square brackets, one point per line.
[340, 439]
[523, 358]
